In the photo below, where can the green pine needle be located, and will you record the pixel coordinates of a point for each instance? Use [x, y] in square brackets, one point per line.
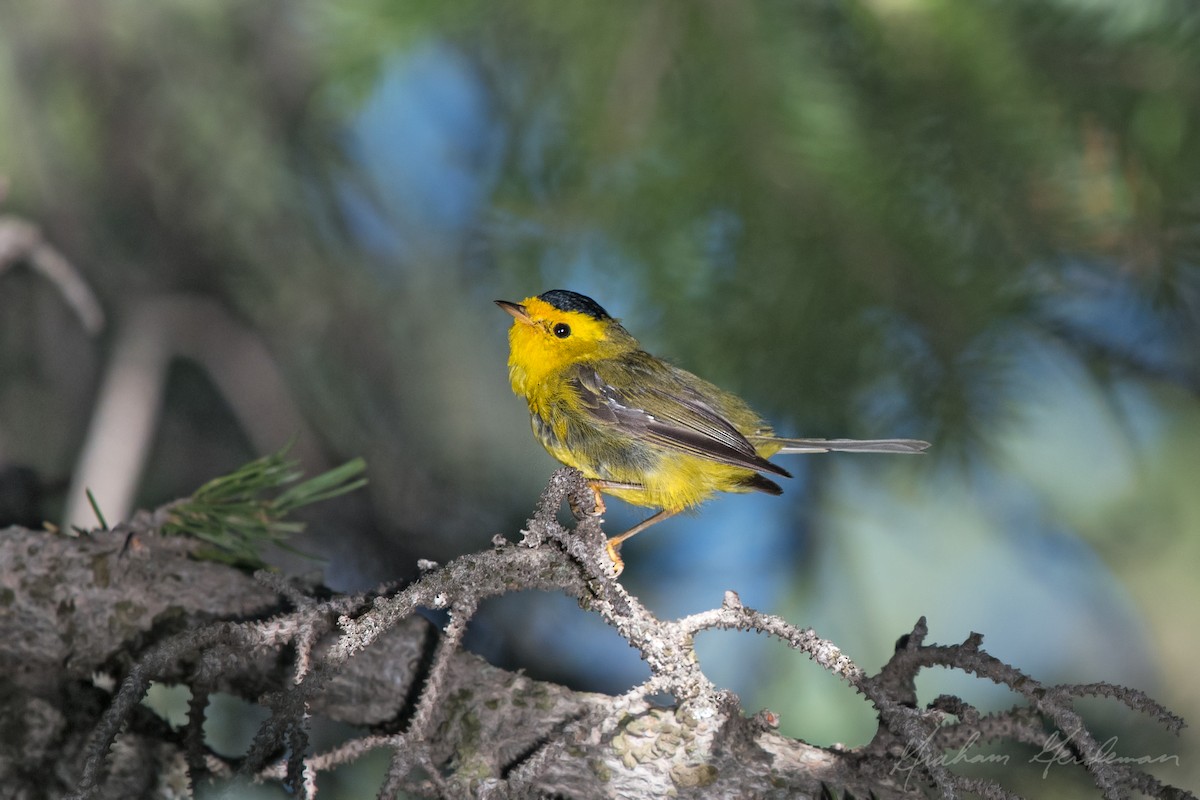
[237, 515]
[96, 509]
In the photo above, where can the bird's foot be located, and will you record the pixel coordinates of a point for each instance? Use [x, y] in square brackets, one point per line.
[578, 505]
[618, 564]
[599, 506]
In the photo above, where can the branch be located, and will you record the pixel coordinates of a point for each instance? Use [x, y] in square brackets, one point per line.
[457, 727]
[22, 242]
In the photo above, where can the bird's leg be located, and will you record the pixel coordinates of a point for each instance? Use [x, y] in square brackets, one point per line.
[614, 544]
[598, 485]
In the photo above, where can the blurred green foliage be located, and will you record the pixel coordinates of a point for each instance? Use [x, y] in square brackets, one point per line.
[807, 164]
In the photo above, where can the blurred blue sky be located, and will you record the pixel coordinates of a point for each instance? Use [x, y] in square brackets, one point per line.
[430, 147]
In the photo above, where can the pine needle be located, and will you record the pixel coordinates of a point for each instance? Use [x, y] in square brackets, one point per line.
[96, 509]
[237, 515]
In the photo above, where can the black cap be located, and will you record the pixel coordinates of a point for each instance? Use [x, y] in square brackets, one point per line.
[565, 300]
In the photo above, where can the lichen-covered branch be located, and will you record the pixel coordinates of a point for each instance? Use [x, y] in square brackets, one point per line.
[456, 727]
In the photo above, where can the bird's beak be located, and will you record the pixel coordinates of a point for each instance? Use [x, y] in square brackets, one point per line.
[516, 309]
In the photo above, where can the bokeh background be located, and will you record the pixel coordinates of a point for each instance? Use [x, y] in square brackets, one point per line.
[976, 223]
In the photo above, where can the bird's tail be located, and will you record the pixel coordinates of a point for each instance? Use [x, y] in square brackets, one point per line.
[846, 445]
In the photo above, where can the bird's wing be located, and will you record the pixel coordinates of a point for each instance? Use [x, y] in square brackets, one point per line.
[678, 418]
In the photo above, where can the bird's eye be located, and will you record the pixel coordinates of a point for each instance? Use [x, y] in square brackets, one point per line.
[562, 330]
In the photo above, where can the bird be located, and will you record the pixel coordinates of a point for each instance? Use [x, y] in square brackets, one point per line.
[640, 428]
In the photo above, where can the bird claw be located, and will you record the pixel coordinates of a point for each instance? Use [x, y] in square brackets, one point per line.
[618, 564]
[577, 505]
[598, 506]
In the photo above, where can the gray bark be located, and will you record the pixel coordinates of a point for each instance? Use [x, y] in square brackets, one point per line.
[87, 622]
